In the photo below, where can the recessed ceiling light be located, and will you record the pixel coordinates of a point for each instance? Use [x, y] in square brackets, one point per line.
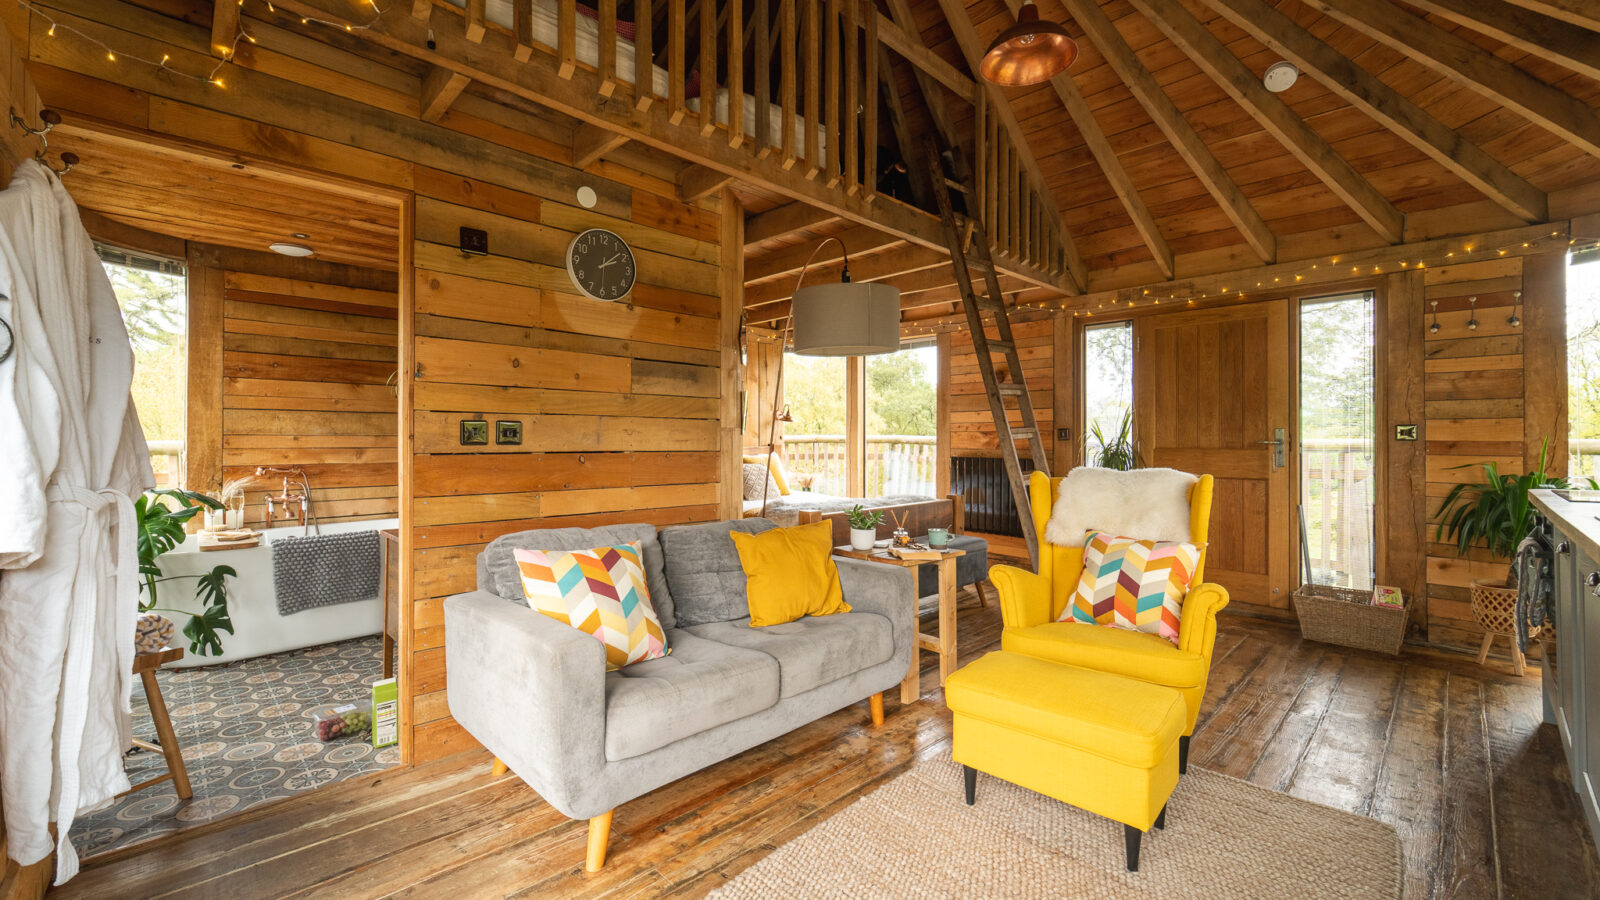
[299, 236]
[1280, 76]
[290, 249]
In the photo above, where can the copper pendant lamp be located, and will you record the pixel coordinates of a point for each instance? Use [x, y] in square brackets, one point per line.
[1028, 52]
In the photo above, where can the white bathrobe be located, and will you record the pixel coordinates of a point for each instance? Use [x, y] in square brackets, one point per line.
[72, 455]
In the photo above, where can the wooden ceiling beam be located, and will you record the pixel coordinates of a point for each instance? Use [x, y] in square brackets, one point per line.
[492, 63]
[1548, 38]
[877, 267]
[422, 9]
[440, 88]
[224, 27]
[860, 241]
[890, 89]
[932, 90]
[1466, 63]
[1111, 165]
[697, 182]
[1582, 13]
[1238, 208]
[918, 54]
[590, 142]
[1365, 91]
[972, 48]
[1274, 115]
[786, 219]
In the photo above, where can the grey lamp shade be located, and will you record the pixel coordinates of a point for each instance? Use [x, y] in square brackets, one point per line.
[845, 319]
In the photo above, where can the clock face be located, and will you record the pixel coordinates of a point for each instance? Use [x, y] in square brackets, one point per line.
[601, 265]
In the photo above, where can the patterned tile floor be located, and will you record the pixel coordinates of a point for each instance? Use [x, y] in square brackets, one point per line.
[246, 738]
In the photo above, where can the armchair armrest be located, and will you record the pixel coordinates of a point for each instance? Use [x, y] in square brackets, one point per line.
[1024, 596]
[530, 689]
[1197, 631]
[889, 591]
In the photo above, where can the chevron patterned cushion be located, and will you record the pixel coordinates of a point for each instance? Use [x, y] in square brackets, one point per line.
[1133, 584]
[601, 592]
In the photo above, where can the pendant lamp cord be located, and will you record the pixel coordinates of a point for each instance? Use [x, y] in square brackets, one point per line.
[783, 343]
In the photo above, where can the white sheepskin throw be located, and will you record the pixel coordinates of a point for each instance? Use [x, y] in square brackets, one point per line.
[1147, 504]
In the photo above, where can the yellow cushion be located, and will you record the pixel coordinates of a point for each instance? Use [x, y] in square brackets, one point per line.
[1129, 721]
[1132, 654]
[774, 464]
[790, 573]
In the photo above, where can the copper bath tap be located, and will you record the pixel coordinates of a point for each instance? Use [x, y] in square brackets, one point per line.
[298, 501]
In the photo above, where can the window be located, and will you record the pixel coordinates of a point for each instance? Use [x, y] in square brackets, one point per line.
[902, 411]
[1336, 440]
[1108, 395]
[813, 444]
[1583, 363]
[154, 300]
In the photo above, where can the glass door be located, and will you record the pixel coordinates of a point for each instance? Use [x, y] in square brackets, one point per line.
[1337, 448]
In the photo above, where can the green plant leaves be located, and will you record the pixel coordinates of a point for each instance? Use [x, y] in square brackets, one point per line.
[1496, 512]
[160, 530]
[860, 519]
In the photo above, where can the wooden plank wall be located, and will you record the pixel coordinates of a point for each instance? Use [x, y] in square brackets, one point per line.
[308, 380]
[971, 425]
[619, 403]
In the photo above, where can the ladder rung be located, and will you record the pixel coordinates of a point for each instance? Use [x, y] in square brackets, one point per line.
[1002, 347]
[955, 185]
[989, 303]
[1010, 390]
[1024, 434]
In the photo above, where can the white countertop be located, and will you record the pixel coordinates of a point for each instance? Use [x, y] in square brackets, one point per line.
[1577, 521]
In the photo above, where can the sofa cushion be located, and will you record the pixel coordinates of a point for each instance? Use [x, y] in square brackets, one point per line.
[970, 569]
[498, 573]
[703, 570]
[1133, 584]
[600, 592]
[703, 684]
[812, 651]
[789, 573]
[1147, 657]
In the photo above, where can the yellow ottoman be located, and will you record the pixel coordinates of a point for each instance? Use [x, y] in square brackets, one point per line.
[1101, 742]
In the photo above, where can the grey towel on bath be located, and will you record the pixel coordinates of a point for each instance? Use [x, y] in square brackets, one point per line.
[325, 569]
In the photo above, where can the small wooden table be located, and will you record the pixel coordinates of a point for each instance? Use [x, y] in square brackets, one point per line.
[945, 643]
[145, 666]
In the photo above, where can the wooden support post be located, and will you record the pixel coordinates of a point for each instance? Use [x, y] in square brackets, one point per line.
[522, 28]
[1544, 378]
[730, 494]
[813, 87]
[203, 413]
[644, 87]
[224, 27]
[852, 96]
[567, 37]
[941, 416]
[676, 75]
[761, 74]
[855, 426]
[607, 36]
[735, 73]
[708, 68]
[477, 21]
[787, 81]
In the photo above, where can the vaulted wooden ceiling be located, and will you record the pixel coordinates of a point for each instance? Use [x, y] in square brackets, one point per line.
[1168, 158]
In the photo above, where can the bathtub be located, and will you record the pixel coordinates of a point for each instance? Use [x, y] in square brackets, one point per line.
[258, 630]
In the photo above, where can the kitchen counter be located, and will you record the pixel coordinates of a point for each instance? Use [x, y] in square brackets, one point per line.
[1572, 654]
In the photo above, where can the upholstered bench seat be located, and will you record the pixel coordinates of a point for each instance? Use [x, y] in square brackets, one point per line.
[1102, 742]
[970, 569]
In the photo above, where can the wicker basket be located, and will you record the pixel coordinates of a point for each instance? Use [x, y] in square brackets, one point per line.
[1494, 606]
[1345, 617]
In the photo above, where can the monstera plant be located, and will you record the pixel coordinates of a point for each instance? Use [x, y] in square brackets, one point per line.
[161, 516]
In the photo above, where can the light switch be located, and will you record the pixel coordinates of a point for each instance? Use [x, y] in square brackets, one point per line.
[1405, 432]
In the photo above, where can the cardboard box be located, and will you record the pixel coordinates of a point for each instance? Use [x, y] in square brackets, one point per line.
[385, 712]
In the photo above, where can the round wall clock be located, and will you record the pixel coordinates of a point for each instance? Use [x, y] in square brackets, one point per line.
[601, 264]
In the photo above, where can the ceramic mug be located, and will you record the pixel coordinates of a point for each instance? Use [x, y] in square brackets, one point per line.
[938, 537]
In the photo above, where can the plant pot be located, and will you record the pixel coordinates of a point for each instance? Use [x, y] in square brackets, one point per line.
[863, 538]
[1494, 606]
[153, 633]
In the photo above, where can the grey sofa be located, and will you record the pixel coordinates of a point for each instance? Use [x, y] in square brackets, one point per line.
[536, 692]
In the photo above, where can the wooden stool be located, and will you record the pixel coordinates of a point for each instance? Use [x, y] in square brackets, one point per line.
[145, 666]
[1494, 606]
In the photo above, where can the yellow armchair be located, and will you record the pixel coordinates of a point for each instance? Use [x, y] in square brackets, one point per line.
[1030, 604]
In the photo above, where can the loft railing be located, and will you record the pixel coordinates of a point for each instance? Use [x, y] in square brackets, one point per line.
[896, 463]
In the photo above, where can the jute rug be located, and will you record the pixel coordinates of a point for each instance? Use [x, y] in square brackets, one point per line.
[916, 838]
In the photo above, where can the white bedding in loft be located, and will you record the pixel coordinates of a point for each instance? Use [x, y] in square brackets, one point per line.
[588, 46]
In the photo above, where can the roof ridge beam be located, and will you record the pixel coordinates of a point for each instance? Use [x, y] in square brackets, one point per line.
[1366, 92]
[1579, 12]
[1548, 38]
[1274, 115]
[1466, 63]
[1238, 208]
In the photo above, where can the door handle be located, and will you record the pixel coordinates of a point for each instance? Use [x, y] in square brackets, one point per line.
[1279, 443]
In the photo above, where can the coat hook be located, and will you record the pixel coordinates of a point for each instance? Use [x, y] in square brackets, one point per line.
[1472, 323]
[1516, 320]
[48, 119]
[1434, 328]
[68, 161]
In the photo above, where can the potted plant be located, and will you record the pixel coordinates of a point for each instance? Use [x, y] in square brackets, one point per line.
[1119, 452]
[161, 527]
[864, 527]
[1496, 513]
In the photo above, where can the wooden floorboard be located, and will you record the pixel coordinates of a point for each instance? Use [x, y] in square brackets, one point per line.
[1453, 755]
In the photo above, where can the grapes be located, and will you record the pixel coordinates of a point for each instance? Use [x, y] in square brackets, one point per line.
[343, 721]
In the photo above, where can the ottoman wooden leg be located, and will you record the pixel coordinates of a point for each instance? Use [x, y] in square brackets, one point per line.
[970, 776]
[1130, 840]
[1161, 820]
[1183, 755]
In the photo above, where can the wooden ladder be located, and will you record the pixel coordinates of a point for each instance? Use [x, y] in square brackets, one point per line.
[968, 242]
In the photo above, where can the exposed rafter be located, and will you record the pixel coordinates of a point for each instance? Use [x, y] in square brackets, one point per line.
[1551, 39]
[1368, 93]
[859, 240]
[1578, 12]
[972, 49]
[590, 142]
[786, 219]
[1269, 110]
[1465, 62]
[440, 88]
[1179, 132]
[697, 182]
[224, 28]
[900, 13]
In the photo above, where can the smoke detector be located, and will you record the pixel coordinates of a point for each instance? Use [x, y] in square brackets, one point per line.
[1280, 76]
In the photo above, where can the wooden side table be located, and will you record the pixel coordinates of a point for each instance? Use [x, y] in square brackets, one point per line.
[945, 643]
[145, 666]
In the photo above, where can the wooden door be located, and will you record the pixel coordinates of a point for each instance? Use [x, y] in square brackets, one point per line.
[1210, 388]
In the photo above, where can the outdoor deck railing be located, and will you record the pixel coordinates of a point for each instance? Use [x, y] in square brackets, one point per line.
[896, 463]
[1336, 500]
[166, 457]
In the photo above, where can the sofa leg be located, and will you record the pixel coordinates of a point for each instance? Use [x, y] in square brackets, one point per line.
[969, 775]
[876, 703]
[499, 769]
[599, 834]
[1161, 820]
[983, 598]
[1130, 840]
[1183, 755]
